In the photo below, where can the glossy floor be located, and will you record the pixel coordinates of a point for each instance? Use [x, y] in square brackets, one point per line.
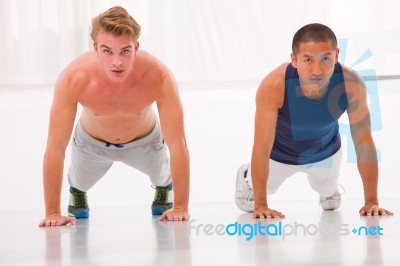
[130, 236]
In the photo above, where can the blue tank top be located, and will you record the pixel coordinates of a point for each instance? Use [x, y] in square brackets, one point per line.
[307, 131]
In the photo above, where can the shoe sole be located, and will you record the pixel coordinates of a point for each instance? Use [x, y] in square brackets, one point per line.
[79, 215]
[331, 202]
[159, 211]
[335, 201]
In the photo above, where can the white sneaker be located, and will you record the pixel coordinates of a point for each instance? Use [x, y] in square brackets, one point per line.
[244, 195]
[331, 203]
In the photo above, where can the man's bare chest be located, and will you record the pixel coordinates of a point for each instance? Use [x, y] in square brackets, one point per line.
[109, 102]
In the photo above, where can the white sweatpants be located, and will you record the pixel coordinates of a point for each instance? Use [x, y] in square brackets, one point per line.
[322, 176]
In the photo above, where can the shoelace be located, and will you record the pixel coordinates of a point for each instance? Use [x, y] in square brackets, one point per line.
[250, 194]
[334, 196]
[249, 197]
[161, 195]
[80, 199]
[343, 190]
[337, 190]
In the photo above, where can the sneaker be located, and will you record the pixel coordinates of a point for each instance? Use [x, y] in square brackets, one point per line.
[331, 203]
[244, 195]
[78, 206]
[162, 200]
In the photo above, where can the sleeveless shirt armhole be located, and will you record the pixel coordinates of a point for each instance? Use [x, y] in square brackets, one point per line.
[343, 101]
[287, 77]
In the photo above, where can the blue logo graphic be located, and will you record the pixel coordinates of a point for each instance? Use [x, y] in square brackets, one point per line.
[283, 230]
[372, 91]
[314, 127]
[368, 231]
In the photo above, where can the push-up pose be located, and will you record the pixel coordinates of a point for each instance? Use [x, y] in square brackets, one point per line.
[116, 85]
[296, 127]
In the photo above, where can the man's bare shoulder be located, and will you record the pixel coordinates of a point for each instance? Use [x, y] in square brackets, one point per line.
[272, 87]
[351, 75]
[79, 72]
[151, 69]
[276, 78]
[354, 84]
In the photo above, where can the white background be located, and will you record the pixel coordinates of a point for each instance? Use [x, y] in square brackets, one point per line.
[198, 39]
[218, 51]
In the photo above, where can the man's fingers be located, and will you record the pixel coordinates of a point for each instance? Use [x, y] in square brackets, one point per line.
[259, 215]
[177, 218]
[57, 222]
[278, 215]
[388, 212]
[171, 216]
[374, 211]
[267, 214]
[162, 217]
[384, 212]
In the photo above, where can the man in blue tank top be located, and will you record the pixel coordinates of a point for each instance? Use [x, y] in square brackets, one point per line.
[296, 127]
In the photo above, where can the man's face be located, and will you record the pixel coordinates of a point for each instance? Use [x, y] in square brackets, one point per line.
[116, 54]
[315, 63]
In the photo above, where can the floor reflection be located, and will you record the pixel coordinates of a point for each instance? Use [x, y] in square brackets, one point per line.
[172, 243]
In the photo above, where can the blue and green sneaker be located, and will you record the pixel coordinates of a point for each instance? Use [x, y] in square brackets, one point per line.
[78, 206]
[163, 199]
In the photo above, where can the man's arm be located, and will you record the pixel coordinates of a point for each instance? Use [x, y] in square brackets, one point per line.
[172, 125]
[269, 99]
[360, 125]
[62, 116]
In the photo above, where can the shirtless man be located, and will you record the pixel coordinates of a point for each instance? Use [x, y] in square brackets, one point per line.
[116, 84]
[296, 127]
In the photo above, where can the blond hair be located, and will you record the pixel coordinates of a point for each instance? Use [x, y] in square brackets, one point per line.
[117, 21]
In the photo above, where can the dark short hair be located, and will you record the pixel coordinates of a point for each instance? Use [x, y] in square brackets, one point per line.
[313, 33]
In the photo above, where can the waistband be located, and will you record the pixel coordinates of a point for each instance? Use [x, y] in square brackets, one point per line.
[82, 134]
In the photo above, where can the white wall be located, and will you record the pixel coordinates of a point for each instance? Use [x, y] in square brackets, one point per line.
[197, 39]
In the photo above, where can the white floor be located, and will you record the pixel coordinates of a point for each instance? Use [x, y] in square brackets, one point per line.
[130, 236]
[219, 121]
